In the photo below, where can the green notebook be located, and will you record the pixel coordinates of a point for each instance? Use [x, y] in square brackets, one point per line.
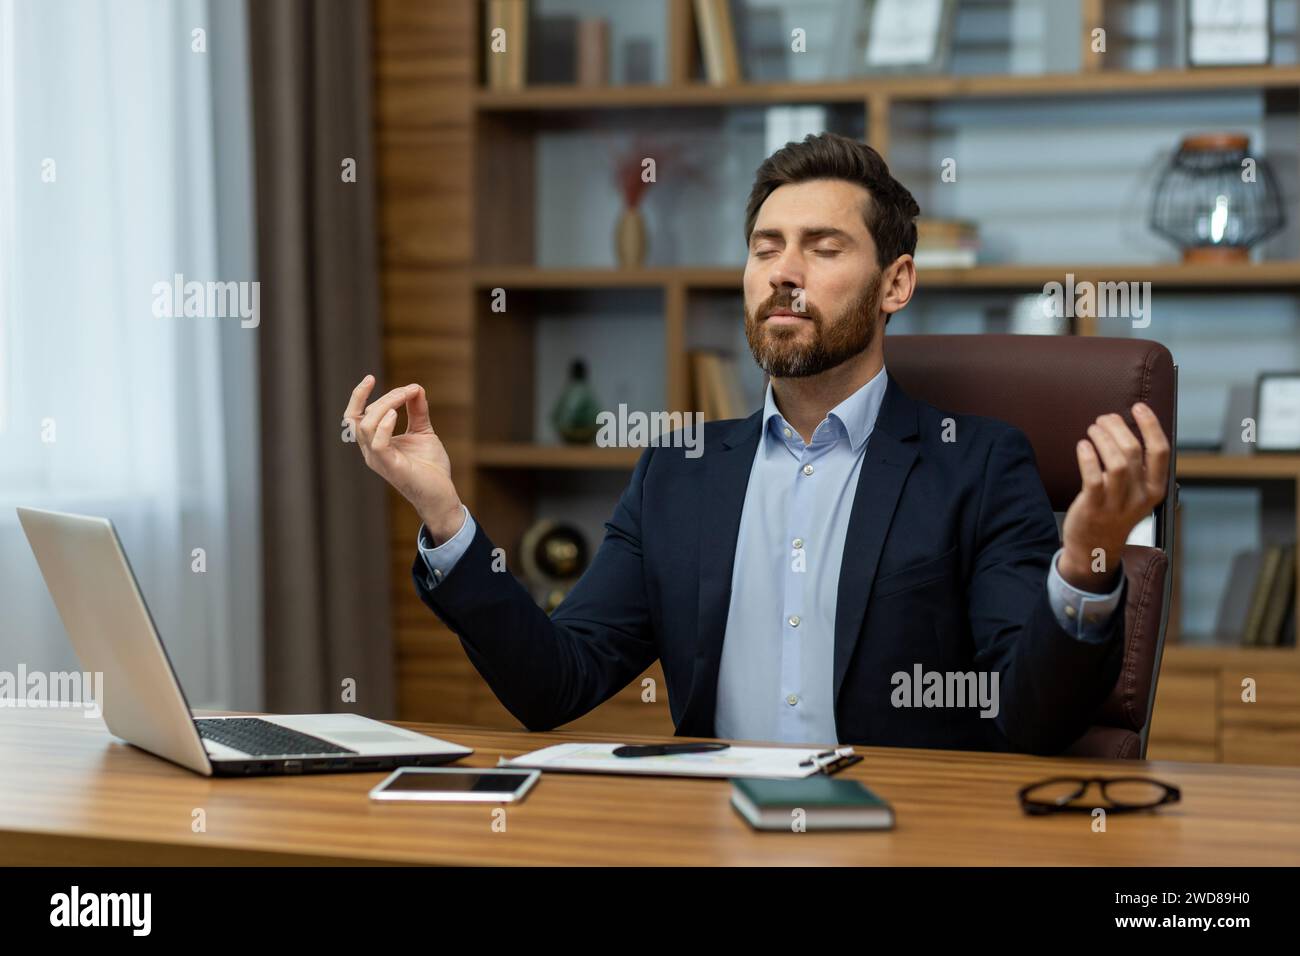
[827, 803]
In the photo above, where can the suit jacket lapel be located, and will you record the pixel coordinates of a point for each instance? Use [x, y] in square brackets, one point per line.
[886, 464]
[726, 478]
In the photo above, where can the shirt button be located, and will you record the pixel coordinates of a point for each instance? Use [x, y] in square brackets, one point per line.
[807, 469]
[798, 542]
[792, 699]
[787, 432]
[1070, 611]
[437, 574]
[794, 620]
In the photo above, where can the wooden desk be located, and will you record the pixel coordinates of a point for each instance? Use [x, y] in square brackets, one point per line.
[70, 794]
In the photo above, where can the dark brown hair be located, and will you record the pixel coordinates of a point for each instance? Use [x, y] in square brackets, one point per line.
[891, 214]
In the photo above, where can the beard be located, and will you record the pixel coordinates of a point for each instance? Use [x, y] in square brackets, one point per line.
[783, 351]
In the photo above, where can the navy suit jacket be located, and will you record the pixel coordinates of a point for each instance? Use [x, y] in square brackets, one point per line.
[945, 565]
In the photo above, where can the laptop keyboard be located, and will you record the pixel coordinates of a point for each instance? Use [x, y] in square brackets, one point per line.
[262, 738]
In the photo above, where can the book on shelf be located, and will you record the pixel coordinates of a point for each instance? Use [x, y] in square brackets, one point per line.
[506, 69]
[1239, 595]
[566, 50]
[1286, 636]
[716, 386]
[717, 32]
[946, 243]
[1281, 597]
[493, 61]
[593, 52]
[1269, 561]
[1272, 596]
[553, 50]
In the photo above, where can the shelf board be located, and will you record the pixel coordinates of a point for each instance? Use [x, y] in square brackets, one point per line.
[526, 455]
[532, 277]
[1244, 275]
[578, 457]
[1212, 657]
[1248, 275]
[1244, 467]
[1279, 274]
[939, 87]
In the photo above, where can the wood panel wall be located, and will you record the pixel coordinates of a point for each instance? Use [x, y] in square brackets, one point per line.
[425, 64]
[424, 73]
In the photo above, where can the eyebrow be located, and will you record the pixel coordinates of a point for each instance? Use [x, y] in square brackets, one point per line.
[807, 233]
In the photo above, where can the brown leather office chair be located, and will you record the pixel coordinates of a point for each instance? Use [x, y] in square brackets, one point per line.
[1052, 388]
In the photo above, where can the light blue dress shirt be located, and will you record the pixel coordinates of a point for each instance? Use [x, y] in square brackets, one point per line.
[775, 681]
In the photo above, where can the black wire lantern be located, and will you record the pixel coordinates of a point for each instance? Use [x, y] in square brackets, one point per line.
[1206, 203]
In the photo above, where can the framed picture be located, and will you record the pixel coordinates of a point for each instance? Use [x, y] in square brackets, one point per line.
[908, 35]
[1277, 411]
[1228, 32]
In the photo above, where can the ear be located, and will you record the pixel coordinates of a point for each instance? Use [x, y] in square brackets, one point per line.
[899, 284]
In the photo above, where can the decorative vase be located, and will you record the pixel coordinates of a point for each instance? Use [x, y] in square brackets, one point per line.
[630, 238]
[576, 411]
[1207, 203]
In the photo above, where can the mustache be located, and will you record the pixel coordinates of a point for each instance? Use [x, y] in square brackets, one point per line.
[779, 301]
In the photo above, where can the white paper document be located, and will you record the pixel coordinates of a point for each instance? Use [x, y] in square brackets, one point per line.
[771, 762]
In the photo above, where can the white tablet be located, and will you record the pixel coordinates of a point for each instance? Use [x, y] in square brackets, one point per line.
[456, 785]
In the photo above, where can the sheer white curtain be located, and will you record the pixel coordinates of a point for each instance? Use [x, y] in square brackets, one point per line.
[124, 160]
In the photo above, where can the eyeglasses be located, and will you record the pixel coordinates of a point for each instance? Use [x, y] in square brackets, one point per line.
[1121, 795]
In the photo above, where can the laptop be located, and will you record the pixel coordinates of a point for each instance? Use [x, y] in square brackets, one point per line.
[113, 633]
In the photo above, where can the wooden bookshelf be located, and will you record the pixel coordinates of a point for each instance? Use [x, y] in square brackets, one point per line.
[458, 217]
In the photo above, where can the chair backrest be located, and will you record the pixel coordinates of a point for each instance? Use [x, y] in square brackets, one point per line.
[1052, 388]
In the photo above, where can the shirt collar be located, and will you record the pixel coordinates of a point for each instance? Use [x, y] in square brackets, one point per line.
[855, 417]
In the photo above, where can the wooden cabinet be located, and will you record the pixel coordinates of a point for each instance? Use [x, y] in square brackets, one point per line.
[1201, 713]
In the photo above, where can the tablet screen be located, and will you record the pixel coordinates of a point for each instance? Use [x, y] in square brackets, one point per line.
[454, 782]
[462, 781]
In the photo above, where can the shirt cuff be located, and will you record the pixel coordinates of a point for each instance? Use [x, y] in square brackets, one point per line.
[442, 558]
[1081, 614]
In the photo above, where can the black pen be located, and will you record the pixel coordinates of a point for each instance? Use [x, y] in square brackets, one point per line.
[659, 750]
[840, 758]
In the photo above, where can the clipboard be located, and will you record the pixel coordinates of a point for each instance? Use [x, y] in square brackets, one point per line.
[770, 763]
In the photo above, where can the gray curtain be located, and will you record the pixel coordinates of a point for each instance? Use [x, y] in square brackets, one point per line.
[325, 536]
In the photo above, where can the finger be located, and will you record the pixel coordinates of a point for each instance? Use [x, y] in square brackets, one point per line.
[1157, 451]
[401, 390]
[1090, 471]
[1115, 426]
[357, 403]
[388, 394]
[417, 411]
[1111, 455]
[376, 409]
[1118, 429]
[384, 431]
